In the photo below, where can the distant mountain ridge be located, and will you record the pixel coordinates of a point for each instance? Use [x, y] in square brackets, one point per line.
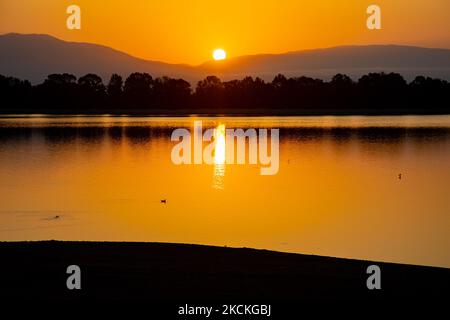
[34, 56]
[352, 60]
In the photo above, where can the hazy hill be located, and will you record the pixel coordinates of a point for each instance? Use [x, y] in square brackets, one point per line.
[34, 56]
[352, 60]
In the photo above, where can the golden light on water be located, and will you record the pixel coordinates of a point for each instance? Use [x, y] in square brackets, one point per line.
[314, 199]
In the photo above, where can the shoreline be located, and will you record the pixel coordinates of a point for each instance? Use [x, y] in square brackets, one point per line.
[188, 272]
[208, 113]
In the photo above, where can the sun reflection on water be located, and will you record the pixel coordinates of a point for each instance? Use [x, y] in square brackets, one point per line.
[219, 157]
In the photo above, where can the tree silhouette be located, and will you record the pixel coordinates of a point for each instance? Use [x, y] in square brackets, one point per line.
[171, 93]
[114, 91]
[91, 89]
[58, 92]
[115, 86]
[374, 93]
[14, 93]
[383, 90]
[210, 92]
[341, 90]
[138, 89]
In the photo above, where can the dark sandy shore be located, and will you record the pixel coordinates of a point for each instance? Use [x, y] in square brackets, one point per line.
[187, 273]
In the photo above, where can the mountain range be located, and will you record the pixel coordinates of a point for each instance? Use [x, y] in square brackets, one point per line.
[34, 56]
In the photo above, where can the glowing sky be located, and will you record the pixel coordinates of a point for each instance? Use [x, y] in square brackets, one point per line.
[188, 31]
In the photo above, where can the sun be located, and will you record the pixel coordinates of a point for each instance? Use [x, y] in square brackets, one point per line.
[219, 54]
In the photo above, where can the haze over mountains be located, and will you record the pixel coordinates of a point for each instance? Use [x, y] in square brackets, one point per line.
[33, 57]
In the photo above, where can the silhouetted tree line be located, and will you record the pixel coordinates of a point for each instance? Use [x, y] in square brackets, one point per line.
[140, 92]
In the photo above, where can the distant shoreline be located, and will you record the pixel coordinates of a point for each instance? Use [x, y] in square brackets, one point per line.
[141, 94]
[234, 113]
[184, 272]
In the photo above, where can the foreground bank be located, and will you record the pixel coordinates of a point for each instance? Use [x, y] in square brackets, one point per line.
[190, 273]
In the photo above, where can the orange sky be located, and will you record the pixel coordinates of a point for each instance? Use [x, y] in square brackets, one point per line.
[188, 31]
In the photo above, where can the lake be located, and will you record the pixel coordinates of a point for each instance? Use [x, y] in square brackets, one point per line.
[357, 187]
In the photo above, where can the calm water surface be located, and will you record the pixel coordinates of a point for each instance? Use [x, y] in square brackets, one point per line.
[337, 192]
